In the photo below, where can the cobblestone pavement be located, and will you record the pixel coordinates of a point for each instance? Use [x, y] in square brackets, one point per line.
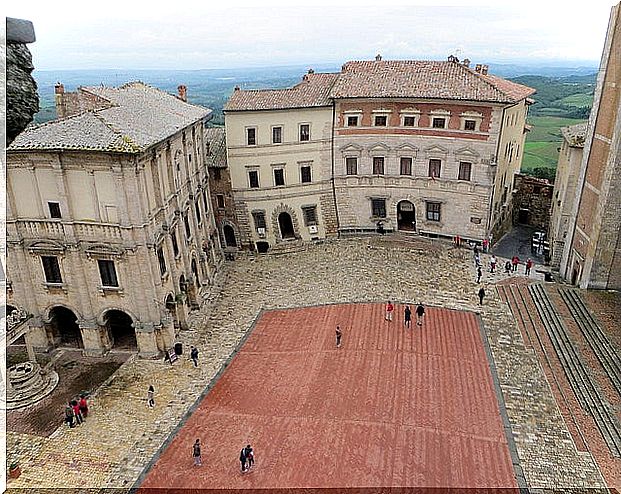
[123, 434]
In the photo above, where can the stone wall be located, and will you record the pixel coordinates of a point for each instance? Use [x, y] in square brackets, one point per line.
[532, 201]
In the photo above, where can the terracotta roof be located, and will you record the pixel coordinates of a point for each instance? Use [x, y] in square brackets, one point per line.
[216, 138]
[423, 79]
[575, 134]
[313, 91]
[139, 116]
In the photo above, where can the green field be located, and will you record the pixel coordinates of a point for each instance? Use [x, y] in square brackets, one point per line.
[543, 142]
[577, 100]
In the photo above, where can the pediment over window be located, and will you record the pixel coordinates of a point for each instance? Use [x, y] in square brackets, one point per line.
[379, 147]
[45, 247]
[436, 150]
[467, 153]
[351, 148]
[406, 147]
[103, 250]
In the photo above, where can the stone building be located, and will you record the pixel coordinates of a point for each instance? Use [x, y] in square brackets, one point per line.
[532, 200]
[110, 233]
[416, 146]
[222, 201]
[592, 251]
[567, 170]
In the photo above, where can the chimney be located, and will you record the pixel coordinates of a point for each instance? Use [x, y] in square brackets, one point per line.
[453, 58]
[466, 62]
[484, 69]
[59, 100]
[236, 88]
[477, 67]
[311, 71]
[378, 58]
[183, 92]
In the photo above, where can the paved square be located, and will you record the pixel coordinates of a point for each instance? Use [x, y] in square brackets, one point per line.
[391, 407]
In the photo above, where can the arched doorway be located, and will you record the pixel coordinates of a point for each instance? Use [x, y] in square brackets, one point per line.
[229, 236]
[406, 216]
[63, 329]
[286, 226]
[263, 247]
[171, 307]
[121, 333]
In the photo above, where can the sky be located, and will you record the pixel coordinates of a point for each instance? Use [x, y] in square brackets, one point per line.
[208, 34]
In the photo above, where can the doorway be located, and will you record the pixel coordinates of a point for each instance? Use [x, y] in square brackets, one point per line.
[406, 217]
[63, 329]
[121, 331]
[229, 236]
[286, 226]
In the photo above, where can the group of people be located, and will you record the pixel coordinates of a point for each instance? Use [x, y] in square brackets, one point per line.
[512, 265]
[246, 456]
[76, 411]
[407, 314]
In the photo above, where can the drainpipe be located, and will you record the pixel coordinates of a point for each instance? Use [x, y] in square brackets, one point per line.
[336, 208]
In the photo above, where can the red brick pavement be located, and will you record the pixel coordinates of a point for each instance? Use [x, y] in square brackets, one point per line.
[392, 407]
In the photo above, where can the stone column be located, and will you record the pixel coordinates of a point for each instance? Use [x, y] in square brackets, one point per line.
[146, 340]
[91, 337]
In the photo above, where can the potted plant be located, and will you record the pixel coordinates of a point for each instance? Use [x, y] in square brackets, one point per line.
[14, 470]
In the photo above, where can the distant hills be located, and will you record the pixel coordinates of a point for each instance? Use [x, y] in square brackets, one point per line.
[212, 87]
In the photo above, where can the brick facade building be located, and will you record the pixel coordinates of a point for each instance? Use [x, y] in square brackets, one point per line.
[592, 254]
[416, 146]
[110, 233]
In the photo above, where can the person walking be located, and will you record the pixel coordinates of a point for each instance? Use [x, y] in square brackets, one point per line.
[76, 412]
[249, 457]
[477, 260]
[479, 274]
[528, 266]
[407, 316]
[339, 335]
[420, 313]
[151, 396]
[194, 355]
[83, 406]
[515, 261]
[242, 459]
[508, 267]
[485, 245]
[196, 453]
[389, 310]
[481, 295]
[492, 264]
[69, 415]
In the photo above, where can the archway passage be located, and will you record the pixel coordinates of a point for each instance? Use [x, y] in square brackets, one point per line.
[63, 329]
[120, 330]
[263, 247]
[171, 307]
[406, 216]
[229, 236]
[286, 226]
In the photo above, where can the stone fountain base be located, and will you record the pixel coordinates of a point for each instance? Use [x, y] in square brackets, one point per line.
[28, 384]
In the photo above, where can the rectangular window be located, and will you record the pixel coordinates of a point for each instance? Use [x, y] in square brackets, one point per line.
[310, 215]
[352, 166]
[107, 272]
[251, 137]
[304, 132]
[434, 168]
[259, 219]
[54, 209]
[409, 121]
[305, 174]
[433, 211]
[205, 202]
[161, 260]
[352, 121]
[186, 222]
[175, 245]
[380, 120]
[378, 208]
[51, 268]
[470, 125]
[220, 200]
[439, 123]
[464, 170]
[276, 135]
[197, 206]
[406, 166]
[253, 178]
[378, 165]
[279, 176]
[217, 175]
